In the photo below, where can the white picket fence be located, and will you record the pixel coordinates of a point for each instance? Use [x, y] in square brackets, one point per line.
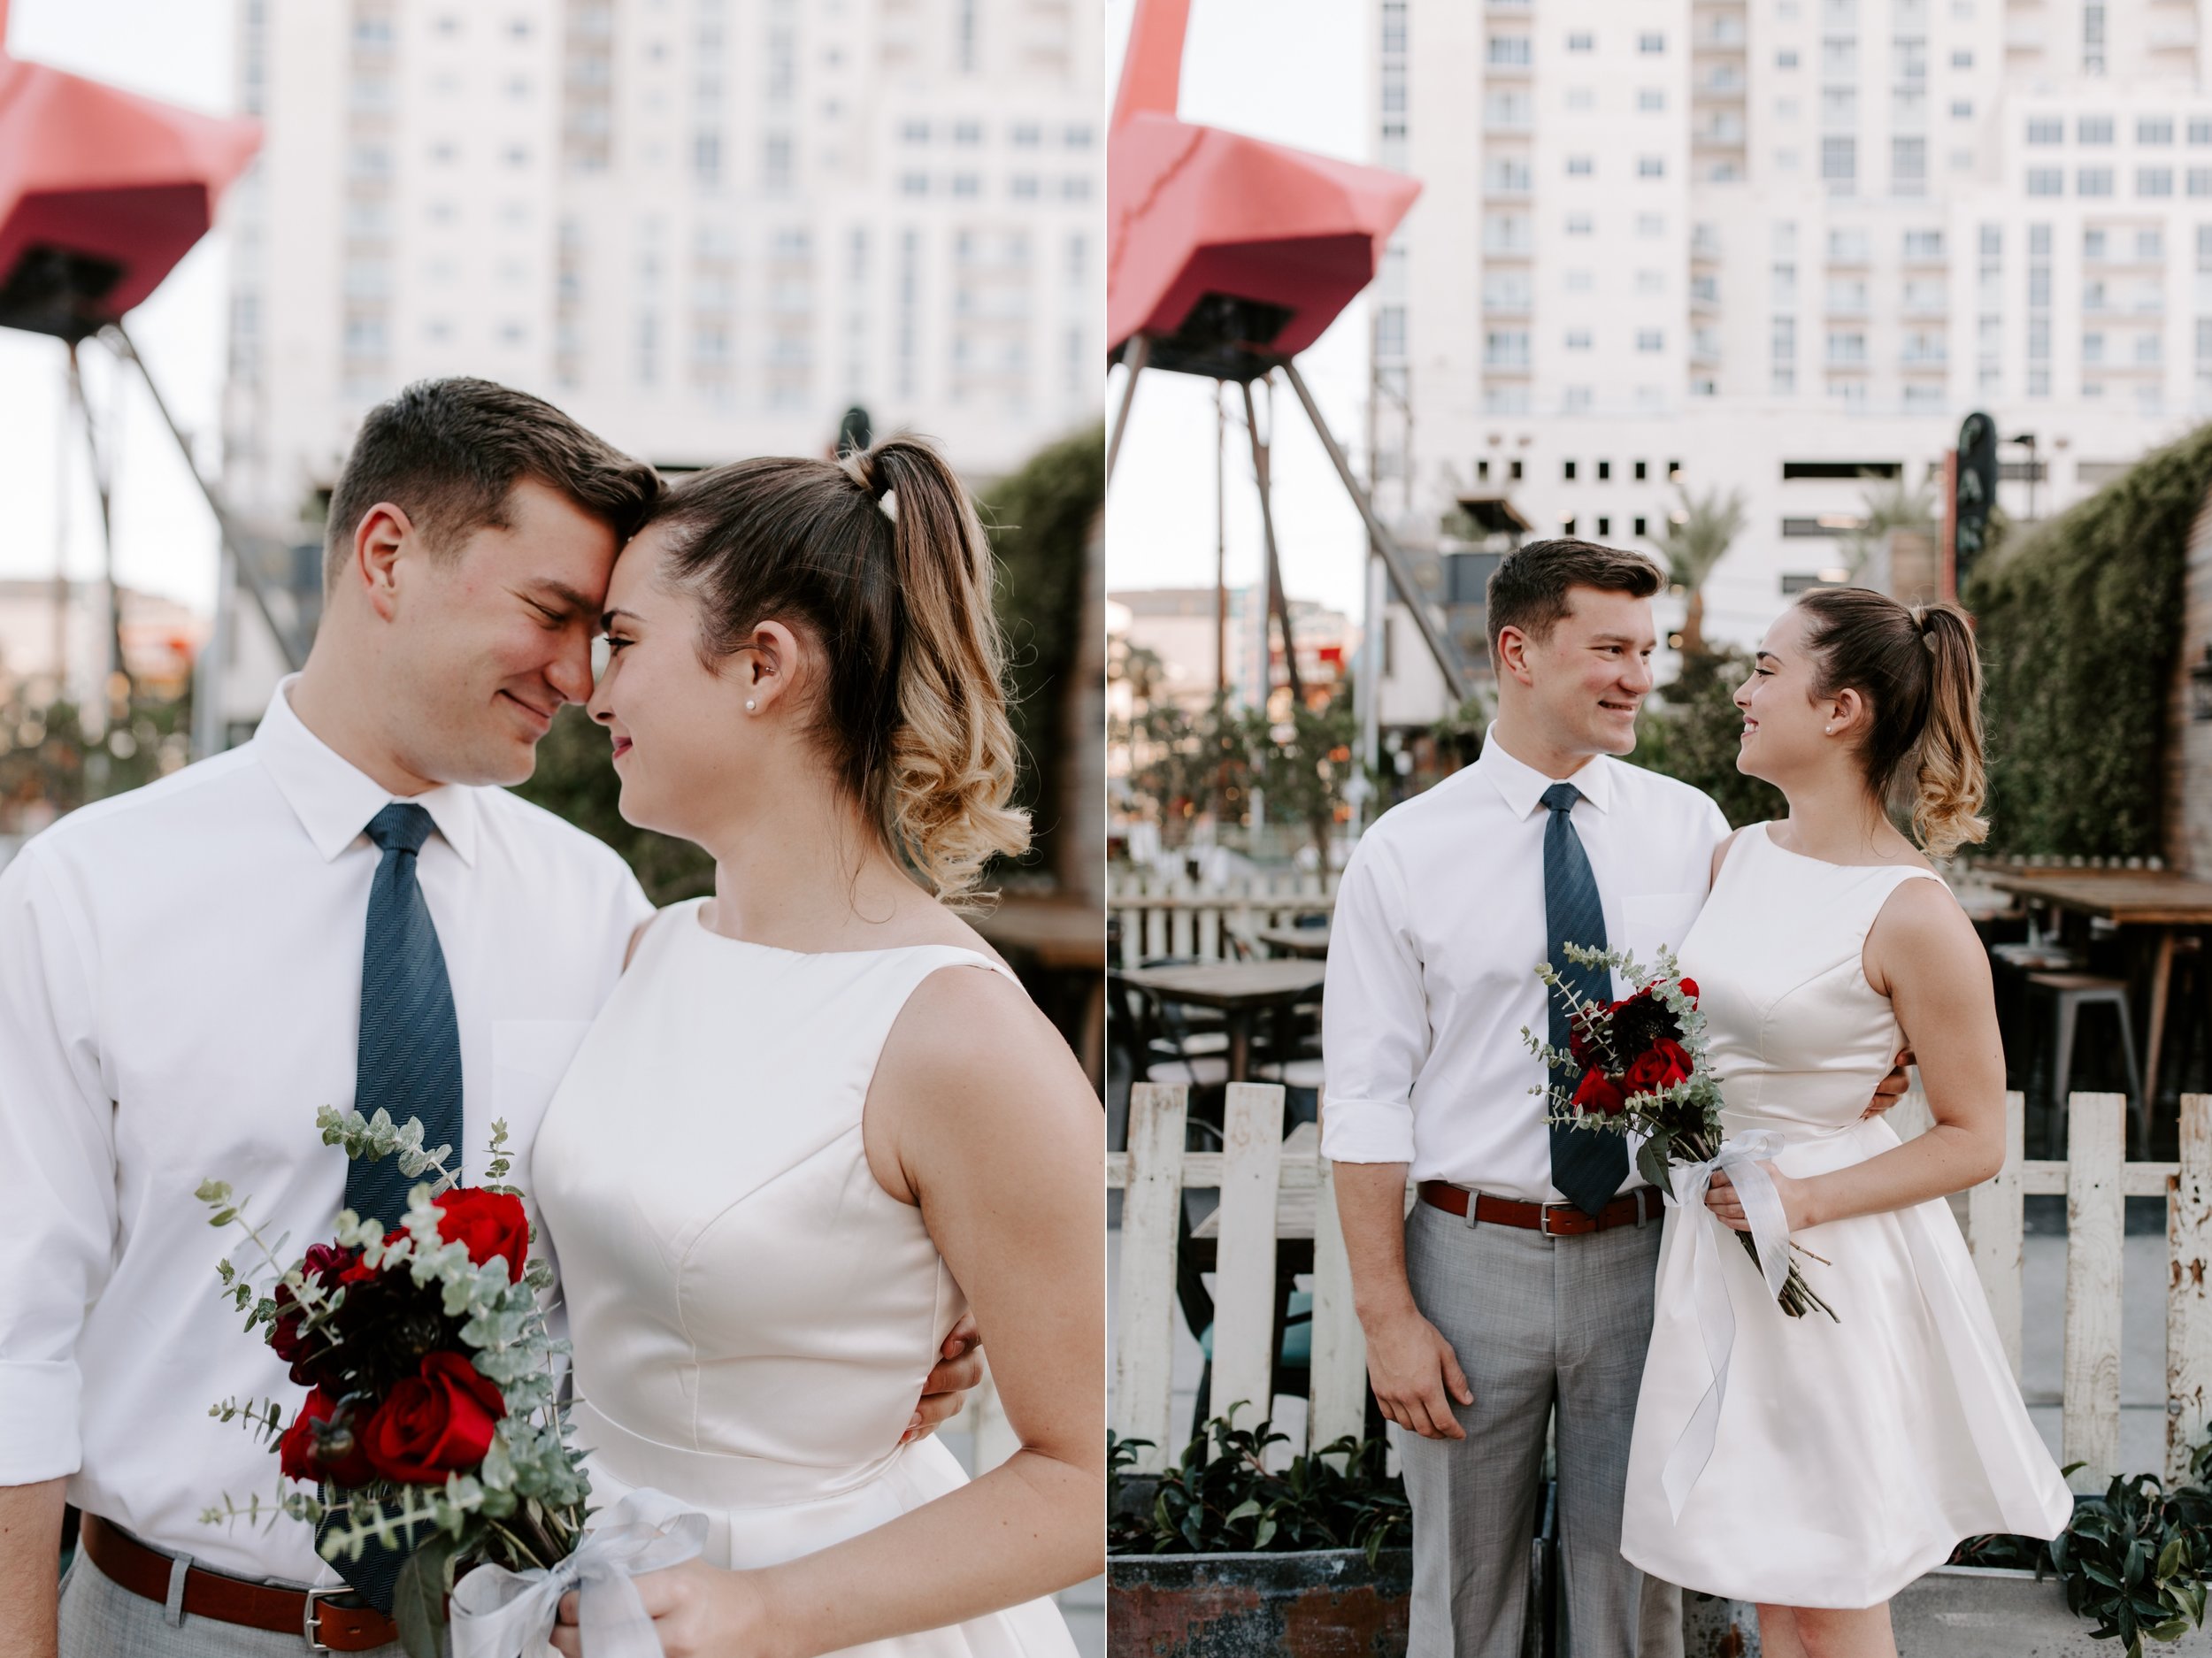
[1178, 918]
[1254, 1170]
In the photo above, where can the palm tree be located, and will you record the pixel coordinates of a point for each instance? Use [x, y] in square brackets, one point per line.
[1890, 505]
[1697, 536]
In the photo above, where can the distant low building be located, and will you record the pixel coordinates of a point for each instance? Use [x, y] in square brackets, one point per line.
[54, 641]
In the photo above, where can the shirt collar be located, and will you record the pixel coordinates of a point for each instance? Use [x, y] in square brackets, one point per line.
[334, 799]
[1522, 786]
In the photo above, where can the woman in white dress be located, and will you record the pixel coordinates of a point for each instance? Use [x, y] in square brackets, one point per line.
[818, 1119]
[1846, 1457]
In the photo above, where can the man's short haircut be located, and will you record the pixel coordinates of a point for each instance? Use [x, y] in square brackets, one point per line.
[1528, 589]
[449, 453]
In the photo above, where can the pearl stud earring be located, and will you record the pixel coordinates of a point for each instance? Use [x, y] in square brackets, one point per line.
[752, 707]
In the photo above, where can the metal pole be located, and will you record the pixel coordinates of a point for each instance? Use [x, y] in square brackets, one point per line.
[1139, 354]
[1387, 546]
[286, 646]
[61, 543]
[1221, 542]
[103, 489]
[1278, 600]
[1369, 687]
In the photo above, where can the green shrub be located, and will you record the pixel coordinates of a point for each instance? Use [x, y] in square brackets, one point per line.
[2136, 1560]
[2079, 624]
[1222, 1499]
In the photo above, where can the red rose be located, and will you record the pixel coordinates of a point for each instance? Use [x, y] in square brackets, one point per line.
[1599, 1093]
[1689, 989]
[310, 1450]
[489, 1222]
[433, 1423]
[1660, 1066]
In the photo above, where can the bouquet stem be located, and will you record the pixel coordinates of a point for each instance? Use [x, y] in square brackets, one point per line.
[1798, 1298]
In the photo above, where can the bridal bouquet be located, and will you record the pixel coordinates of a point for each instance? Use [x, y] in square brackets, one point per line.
[1642, 1070]
[431, 1422]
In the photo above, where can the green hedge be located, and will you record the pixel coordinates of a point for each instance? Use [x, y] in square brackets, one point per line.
[2080, 622]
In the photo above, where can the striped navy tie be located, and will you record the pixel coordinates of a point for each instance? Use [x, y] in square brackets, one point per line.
[409, 1063]
[1587, 1165]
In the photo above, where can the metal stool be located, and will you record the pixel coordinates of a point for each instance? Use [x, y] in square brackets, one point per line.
[2070, 993]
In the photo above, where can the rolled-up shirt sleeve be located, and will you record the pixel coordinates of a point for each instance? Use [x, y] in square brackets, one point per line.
[1374, 1016]
[57, 1144]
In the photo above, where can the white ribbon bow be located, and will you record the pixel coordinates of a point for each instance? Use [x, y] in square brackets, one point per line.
[1716, 1319]
[502, 1614]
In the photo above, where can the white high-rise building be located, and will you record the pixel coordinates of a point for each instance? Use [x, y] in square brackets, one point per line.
[1777, 246]
[705, 227]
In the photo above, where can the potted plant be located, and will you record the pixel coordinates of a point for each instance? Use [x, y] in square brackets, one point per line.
[1223, 1557]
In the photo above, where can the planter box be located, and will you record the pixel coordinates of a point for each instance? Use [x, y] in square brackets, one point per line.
[1325, 1604]
[1959, 1611]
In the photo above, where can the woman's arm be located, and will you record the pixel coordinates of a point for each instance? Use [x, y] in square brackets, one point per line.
[978, 1111]
[1925, 954]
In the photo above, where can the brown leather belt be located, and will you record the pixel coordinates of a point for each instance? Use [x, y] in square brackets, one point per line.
[308, 1613]
[1553, 1220]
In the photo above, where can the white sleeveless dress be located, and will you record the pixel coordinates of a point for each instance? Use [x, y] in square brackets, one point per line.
[753, 1315]
[1850, 1457]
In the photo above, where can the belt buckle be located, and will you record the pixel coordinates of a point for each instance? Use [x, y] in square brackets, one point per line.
[1543, 1218]
[310, 1615]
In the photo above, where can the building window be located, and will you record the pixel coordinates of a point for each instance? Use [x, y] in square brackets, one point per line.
[1566, 472]
[2155, 130]
[1649, 44]
[1581, 41]
[2046, 182]
[1578, 166]
[1578, 338]
[2153, 180]
[2094, 129]
[1651, 166]
[2092, 181]
[1839, 163]
[1510, 51]
[1651, 339]
[1650, 100]
[1909, 165]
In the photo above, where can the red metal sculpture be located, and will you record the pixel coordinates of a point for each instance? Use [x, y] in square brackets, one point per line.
[1227, 255]
[101, 193]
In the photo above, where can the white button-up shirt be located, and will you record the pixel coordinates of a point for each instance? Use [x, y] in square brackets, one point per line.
[180, 992]
[1438, 929]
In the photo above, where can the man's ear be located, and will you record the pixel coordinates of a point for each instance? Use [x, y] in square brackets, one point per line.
[384, 532]
[1512, 652]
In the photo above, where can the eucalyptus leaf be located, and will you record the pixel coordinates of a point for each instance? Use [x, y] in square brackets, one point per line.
[419, 1597]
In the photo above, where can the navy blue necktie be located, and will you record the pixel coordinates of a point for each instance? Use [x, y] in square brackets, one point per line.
[409, 1063]
[1587, 1165]
[409, 1056]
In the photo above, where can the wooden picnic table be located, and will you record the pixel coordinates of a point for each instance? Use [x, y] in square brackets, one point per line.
[1064, 938]
[1243, 990]
[1312, 943]
[2169, 901]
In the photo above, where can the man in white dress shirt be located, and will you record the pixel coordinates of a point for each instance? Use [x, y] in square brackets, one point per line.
[181, 989]
[1499, 1298]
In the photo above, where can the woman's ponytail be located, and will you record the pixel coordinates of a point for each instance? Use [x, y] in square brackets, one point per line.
[1949, 784]
[950, 756]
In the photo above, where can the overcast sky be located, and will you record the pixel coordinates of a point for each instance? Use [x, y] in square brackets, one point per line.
[1295, 72]
[164, 537]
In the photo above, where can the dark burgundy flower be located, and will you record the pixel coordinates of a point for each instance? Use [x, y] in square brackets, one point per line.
[324, 1443]
[437, 1422]
[1660, 1066]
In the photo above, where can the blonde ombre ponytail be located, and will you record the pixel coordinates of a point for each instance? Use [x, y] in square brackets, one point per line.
[1949, 784]
[951, 758]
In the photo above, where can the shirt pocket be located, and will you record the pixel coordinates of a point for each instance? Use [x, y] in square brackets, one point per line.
[1656, 920]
